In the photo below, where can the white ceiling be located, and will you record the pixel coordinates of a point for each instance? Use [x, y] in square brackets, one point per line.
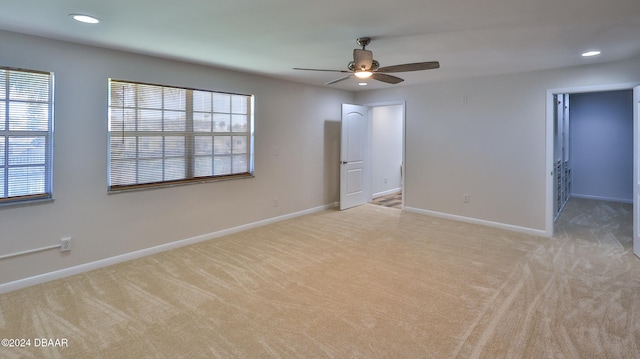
[270, 37]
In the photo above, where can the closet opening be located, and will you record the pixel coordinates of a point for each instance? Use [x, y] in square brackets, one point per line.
[593, 148]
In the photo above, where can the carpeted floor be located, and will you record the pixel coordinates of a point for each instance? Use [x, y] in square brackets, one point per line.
[369, 282]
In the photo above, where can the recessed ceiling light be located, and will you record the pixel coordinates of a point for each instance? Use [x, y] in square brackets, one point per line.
[591, 53]
[362, 84]
[85, 18]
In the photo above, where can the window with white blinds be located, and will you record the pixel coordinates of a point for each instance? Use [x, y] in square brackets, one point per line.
[26, 129]
[161, 135]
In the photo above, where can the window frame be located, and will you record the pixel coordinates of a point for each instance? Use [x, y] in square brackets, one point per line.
[189, 134]
[6, 133]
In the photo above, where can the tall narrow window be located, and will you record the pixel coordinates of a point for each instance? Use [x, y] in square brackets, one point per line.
[161, 135]
[26, 129]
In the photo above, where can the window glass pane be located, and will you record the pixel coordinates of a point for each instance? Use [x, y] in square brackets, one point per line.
[149, 120]
[28, 86]
[201, 101]
[115, 119]
[2, 139]
[239, 123]
[221, 122]
[239, 144]
[201, 122]
[174, 169]
[3, 115]
[123, 94]
[26, 150]
[24, 181]
[240, 164]
[149, 96]
[221, 165]
[222, 145]
[2, 184]
[150, 147]
[221, 102]
[150, 171]
[174, 146]
[204, 166]
[174, 99]
[239, 104]
[203, 145]
[28, 116]
[3, 82]
[123, 147]
[123, 173]
[175, 121]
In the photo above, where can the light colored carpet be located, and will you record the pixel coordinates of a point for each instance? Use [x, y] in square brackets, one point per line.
[369, 282]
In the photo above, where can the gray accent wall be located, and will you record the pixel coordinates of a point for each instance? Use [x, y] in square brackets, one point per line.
[601, 143]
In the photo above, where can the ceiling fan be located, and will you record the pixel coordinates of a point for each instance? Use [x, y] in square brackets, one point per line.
[364, 66]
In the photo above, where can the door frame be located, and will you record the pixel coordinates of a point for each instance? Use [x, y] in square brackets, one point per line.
[636, 171]
[550, 144]
[370, 106]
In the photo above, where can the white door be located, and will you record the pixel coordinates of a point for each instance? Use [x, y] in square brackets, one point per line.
[353, 155]
[636, 171]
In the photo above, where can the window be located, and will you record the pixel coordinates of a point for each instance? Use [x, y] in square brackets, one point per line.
[26, 129]
[161, 135]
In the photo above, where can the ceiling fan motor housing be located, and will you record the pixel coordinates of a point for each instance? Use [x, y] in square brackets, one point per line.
[362, 60]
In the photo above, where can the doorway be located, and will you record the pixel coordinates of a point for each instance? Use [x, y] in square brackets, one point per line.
[360, 180]
[588, 158]
[593, 150]
[387, 155]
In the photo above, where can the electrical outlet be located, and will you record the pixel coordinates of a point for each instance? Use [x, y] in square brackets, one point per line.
[466, 198]
[65, 244]
[275, 202]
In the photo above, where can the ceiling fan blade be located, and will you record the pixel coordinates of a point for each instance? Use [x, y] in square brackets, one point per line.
[342, 71]
[416, 66]
[386, 78]
[338, 80]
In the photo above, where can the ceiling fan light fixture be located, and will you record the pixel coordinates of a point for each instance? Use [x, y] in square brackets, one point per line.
[363, 74]
[85, 18]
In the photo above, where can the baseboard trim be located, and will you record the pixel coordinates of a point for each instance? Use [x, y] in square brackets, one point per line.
[600, 198]
[509, 227]
[384, 193]
[66, 272]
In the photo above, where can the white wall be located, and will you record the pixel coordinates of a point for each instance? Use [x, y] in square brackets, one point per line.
[602, 145]
[302, 121]
[387, 149]
[486, 137]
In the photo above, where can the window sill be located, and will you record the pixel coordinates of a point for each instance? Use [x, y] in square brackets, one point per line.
[144, 187]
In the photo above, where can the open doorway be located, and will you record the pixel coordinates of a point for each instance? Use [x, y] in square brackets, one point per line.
[593, 168]
[552, 146]
[372, 154]
[387, 154]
